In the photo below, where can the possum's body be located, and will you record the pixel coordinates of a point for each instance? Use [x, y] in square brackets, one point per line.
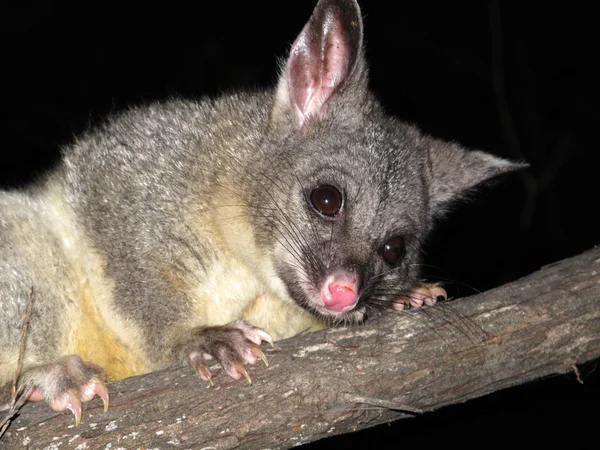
[46, 239]
[290, 209]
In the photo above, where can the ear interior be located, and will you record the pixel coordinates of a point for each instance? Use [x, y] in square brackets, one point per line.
[322, 59]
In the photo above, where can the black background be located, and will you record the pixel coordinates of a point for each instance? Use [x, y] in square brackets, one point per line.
[517, 79]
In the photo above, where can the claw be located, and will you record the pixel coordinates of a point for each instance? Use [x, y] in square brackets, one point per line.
[102, 392]
[204, 373]
[239, 368]
[265, 337]
[196, 361]
[258, 353]
[95, 387]
[76, 410]
[253, 334]
[71, 402]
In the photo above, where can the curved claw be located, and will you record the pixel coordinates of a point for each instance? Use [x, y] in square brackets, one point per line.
[102, 391]
[265, 337]
[258, 353]
[76, 410]
[204, 373]
[253, 334]
[71, 402]
[196, 360]
[237, 369]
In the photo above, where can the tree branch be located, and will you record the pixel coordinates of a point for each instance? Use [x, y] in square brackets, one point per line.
[342, 380]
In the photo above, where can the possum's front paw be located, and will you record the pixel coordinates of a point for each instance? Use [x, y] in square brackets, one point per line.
[428, 294]
[230, 345]
[65, 384]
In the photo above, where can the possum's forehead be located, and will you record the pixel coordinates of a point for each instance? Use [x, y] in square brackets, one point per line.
[380, 155]
[379, 170]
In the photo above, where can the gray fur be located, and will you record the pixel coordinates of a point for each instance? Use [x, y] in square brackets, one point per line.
[31, 256]
[130, 187]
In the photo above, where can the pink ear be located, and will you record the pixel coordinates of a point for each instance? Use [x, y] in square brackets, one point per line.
[323, 56]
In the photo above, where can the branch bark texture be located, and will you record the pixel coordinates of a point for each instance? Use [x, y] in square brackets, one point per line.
[341, 380]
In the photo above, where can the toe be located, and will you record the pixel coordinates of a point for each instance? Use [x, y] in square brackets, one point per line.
[69, 401]
[258, 353]
[237, 370]
[196, 360]
[400, 304]
[252, 333]
[419, 296]
[438, 294]
[427, 294]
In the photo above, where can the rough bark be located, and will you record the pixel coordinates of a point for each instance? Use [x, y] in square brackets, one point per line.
[341, 380]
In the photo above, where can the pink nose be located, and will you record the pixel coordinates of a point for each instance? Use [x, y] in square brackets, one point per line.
[340, 292]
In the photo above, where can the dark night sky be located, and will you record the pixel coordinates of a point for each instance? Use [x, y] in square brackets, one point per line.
[517, 80]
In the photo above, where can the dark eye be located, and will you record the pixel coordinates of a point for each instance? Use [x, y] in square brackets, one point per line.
[326, 199]
[394, 250]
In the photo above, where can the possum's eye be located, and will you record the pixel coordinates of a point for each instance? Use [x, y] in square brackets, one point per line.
[326, 199]
[394, 250]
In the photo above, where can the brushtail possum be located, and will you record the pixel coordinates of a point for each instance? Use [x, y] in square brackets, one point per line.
[192, 231]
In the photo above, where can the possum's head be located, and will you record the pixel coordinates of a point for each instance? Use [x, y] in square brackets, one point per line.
[346, 194]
